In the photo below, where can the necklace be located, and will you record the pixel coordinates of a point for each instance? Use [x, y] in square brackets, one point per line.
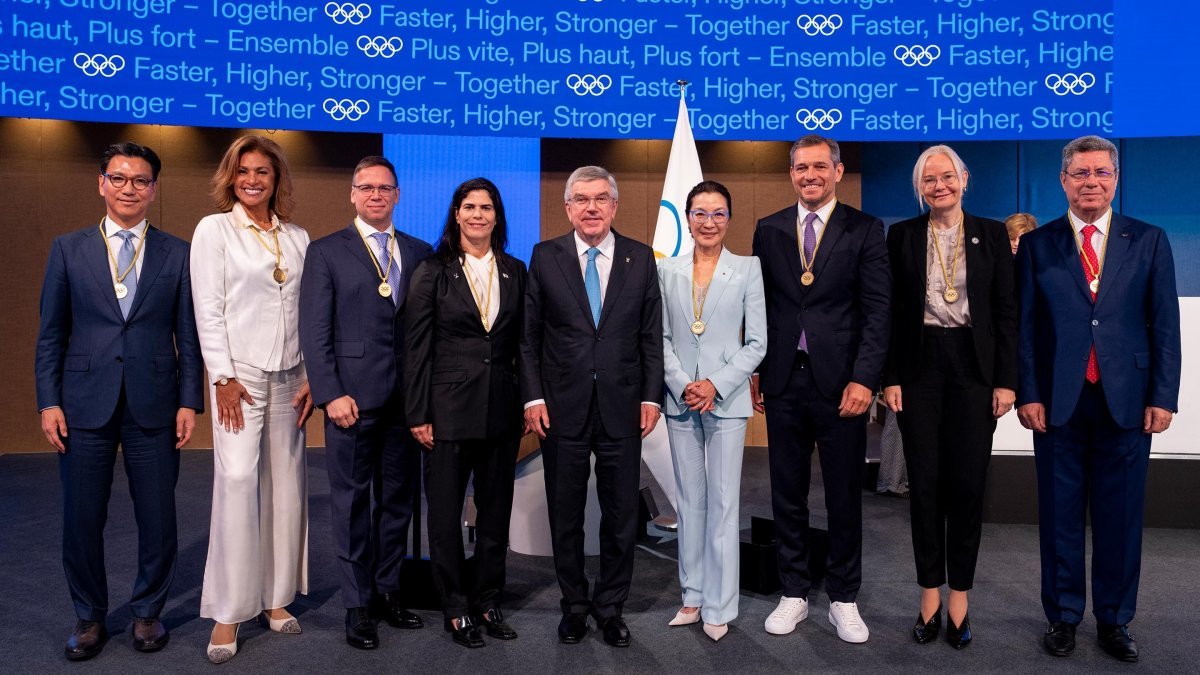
[483, 296]
[280, 274]
[119, 286]
[385, 289]
[951, 293]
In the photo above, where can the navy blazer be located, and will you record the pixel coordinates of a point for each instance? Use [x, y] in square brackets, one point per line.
[352, 337]
[1134, 321]
[86, 352]
[844, 313]
[564, 354]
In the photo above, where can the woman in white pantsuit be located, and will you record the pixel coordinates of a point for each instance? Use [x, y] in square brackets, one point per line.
[714, 335]
[246, 269]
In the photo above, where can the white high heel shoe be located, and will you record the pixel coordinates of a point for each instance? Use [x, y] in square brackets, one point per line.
[683, 618]
[289, 625]
[716, 632]
[222, 653]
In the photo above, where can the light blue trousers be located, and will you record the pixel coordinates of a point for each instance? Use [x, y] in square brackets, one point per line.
[707, 453]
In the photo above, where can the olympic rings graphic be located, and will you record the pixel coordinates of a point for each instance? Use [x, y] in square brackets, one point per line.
[99, 64]
[380, 46]
[346, 109]
[917, 55]
[819, 24]
[818, 118]
[583, 85]
[1070, 83]
[347, 12]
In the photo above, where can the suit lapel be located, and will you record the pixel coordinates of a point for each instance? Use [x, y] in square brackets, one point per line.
[95, 256]
[156, 253]
[917, 243]
[1116, 252]
[355, 246]
[1064, 240]
[456, 273]
[720, 281]
[409, 258]
[509, 298]
[616, 276]
[568, 265]
[829, 239]
[974, 259]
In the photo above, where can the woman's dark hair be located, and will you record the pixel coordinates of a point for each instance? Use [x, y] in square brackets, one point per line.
[709, 186]
[449, 247]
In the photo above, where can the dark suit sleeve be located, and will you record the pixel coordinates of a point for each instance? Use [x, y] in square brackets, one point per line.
[1163, 315]
[891, 370]
[874, 295]
[317, 306]
[419, 316]
[187, 342]
[650, 336]
[1004, 311]
[1027, 386]
[54, 333]
[531, 335]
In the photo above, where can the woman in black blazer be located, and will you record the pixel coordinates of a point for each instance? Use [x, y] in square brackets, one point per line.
[951, 372]
[462, 401]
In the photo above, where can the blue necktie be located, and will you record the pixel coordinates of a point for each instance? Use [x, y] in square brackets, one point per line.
[591, 281]
[810, 249]
[387, 263]
[124, 261]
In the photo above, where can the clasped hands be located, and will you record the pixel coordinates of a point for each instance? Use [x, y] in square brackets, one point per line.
[700, 396]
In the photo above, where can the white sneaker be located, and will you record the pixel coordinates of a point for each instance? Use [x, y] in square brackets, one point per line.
[850, 627]
[790, 612]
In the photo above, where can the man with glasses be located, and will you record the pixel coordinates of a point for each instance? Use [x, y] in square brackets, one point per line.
[592, 377]
[352, 336]
[827, 284]
[118, 364]
[1099, 368]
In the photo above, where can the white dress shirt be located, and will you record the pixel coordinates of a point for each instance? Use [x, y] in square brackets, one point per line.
[242, 313]
[115, 243]
[482, 274]
[823, 215]
[1098, 237]
[365, 231]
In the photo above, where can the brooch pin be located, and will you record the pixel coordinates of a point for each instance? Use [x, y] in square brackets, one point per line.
[456, 275]
[627, 260]
[974, 240]
[504, 274]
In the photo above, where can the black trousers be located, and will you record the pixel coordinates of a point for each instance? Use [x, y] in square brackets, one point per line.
[567, 462]
[490, 465]
[947, 428]
[374, 473]
[796, 419]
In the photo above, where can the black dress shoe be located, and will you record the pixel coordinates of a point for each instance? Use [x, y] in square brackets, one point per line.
[493, 623]
[86, 640]
[925, 632]
[360, 630]
[1059, 639]
[149, 635]
[392, 610]
[616, 633]
[466, 632]
[1117, 642]
[572, 628]
[958, 636]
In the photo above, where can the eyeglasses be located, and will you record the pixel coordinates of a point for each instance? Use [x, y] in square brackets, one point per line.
[381, 190]
[1082, 175]
[118, 181]
[600, 200]
[701, 217]
[932, 181]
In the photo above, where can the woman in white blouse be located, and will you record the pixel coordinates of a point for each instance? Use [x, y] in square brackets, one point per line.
[246, 267]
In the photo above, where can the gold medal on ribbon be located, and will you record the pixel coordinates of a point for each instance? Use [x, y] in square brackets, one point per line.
[385, 289]
[697, 327]
[121, 290]
[807, 278]
[950, 294]
[280, 275]
[1095, 285]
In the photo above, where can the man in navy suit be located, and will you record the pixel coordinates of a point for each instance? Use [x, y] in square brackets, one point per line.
[1099, 364]
[827, 283]
[352, 336]
[118, 364]
[591, 362]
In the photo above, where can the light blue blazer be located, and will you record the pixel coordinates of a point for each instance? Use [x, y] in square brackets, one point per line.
[725, 354]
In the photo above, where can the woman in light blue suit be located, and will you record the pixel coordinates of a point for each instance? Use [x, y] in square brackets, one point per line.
[714, 335]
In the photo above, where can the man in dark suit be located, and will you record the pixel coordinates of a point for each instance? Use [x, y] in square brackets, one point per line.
[1099, 366]
[592, 376]
[825, 272]
[352, 336]
[118, 364]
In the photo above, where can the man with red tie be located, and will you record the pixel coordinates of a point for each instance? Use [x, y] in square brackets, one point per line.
[1099, 368]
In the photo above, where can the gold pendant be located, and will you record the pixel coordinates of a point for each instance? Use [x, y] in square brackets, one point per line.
[950, 294]
[280, 275]
[807, 278]
[385, 289]
[697, 327]
[1095, 285]
[121, 290]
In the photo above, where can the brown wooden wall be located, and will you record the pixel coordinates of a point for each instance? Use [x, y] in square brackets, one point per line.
[48, 183]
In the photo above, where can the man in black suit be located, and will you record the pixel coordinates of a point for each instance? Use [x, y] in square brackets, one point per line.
[118, 364]
[825, 272]
[352, 336]
[592, 376]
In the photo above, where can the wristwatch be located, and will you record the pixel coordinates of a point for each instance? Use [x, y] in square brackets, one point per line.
[223, 381]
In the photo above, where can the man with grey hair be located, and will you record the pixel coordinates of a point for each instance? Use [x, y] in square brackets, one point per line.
[1099, 368]
[591, 365]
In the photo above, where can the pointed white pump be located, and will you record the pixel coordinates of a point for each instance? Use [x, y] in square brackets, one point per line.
[222, 653]
[683, 618]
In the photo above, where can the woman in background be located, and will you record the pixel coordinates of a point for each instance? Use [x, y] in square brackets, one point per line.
[1017, 225]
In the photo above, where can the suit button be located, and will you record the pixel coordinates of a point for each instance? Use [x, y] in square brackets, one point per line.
[592, 371]
[486, 361]
[487, 338]
[1095, 322]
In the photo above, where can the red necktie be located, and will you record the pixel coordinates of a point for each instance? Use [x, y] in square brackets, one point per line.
[1091, 272]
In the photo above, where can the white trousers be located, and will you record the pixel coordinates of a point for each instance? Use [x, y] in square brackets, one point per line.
[258, 538]
[707, 451]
